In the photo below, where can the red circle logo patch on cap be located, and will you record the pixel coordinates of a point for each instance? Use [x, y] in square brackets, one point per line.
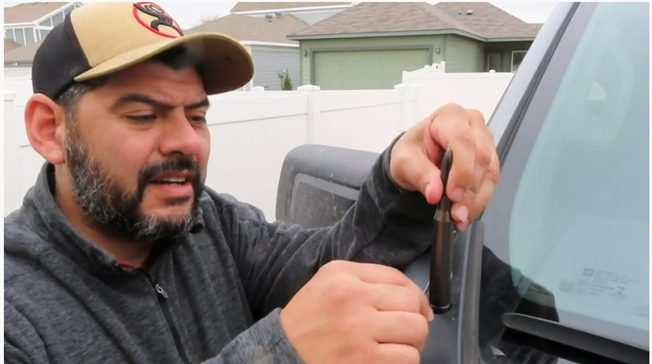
[155, 19]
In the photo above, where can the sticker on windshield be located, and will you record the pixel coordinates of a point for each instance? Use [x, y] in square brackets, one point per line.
[601, 284]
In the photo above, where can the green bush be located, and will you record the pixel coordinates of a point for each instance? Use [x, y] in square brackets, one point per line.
[286, 82]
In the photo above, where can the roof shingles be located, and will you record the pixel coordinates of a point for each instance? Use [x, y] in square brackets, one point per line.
[30, 12]
[258, 6]
[243, 27]
[486, 21]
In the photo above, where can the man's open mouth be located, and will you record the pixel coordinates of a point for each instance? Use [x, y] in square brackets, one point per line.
[170, 180]
[174, 178]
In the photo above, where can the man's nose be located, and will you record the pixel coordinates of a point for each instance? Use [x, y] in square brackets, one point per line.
[179, 135]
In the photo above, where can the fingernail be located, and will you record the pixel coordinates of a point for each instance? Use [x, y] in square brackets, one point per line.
[463, 213]
[432, 315]
[427, 191]
[457, 194]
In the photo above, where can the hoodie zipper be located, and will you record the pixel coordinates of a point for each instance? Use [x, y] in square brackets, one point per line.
[162, 298]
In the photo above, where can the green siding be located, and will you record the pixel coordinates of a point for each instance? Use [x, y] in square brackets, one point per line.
[371, 69]
[463, 55]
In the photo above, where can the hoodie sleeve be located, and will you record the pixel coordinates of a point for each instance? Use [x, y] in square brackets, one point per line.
[385, 225]
[263, 343]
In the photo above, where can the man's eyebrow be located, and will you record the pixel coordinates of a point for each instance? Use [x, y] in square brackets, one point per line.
[156, 103]
[199, 104]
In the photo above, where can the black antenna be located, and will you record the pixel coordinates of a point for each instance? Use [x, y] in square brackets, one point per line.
[440, 266]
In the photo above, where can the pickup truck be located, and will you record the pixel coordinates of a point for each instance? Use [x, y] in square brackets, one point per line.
[556, 270]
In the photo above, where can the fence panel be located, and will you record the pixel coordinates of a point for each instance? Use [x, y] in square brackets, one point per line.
[252, 131]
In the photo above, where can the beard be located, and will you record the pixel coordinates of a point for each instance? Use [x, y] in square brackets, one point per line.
[115, 210]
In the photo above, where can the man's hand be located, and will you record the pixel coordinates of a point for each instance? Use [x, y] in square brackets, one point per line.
[358, 313]
[417, 155]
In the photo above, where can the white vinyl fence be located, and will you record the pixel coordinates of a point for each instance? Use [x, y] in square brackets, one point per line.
[252, 131]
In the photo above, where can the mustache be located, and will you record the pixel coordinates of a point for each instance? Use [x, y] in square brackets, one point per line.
[176, 163]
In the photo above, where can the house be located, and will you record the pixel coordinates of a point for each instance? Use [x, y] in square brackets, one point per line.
[369, 45]
[10, 45]
[266, 37]
[18, 61]
[263, 27]
[308, 12]
[26, 25]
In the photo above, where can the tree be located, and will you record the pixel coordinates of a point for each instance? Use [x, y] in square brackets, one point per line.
[286, 82]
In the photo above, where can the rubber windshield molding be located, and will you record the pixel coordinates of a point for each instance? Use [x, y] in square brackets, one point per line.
[469, 323]
[517, 115]
[557, 333]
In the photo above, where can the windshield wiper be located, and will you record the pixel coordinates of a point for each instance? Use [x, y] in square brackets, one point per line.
[557, 333]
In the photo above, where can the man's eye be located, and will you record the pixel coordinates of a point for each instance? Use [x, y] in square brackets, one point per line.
[142, 118]
[199, 119]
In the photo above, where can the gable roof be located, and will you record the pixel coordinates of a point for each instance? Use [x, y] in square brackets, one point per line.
[244, 27]
[22, 55]
[486, 22]
[258, 6]
[30, 12]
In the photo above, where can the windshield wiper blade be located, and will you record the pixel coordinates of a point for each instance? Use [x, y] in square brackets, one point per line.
[557, 333]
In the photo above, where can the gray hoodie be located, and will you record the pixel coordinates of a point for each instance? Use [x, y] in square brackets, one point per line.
[213, 296]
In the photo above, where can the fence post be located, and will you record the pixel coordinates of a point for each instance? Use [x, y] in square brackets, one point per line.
[407, 93]
[312, 93]
[401, 88]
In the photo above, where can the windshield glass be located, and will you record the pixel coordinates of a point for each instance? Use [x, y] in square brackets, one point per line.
[573, 217]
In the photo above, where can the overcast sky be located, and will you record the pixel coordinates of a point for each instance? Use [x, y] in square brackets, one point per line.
[189, 14]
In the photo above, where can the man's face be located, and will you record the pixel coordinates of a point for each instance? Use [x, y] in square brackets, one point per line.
[137, 152]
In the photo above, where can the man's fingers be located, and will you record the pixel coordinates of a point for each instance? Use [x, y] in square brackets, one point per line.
[389, 288]
[400, 328]
[385, 297]
[474, 172]
[463, 169]
[417, 173]
[455, 133]
[372, 273]
[486, 190]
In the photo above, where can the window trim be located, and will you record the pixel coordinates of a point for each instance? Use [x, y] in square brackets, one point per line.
[511, 63]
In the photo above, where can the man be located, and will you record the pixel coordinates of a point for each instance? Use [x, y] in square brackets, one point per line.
[120, 254]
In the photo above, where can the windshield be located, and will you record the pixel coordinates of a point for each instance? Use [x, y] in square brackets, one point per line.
[570, 215]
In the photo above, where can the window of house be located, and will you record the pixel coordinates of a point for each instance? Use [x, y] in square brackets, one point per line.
[29, 36]
[43, 33]
[57, 18]
[19, 36]
[46, 23]
[517, 58]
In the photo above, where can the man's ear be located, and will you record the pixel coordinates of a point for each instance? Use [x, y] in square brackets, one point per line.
[45, 126]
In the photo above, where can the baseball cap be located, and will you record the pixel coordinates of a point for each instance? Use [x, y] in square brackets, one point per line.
[98, 39]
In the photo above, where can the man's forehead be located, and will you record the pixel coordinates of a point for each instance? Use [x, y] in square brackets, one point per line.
[152, 71]
[161, 103]
[156, 80]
